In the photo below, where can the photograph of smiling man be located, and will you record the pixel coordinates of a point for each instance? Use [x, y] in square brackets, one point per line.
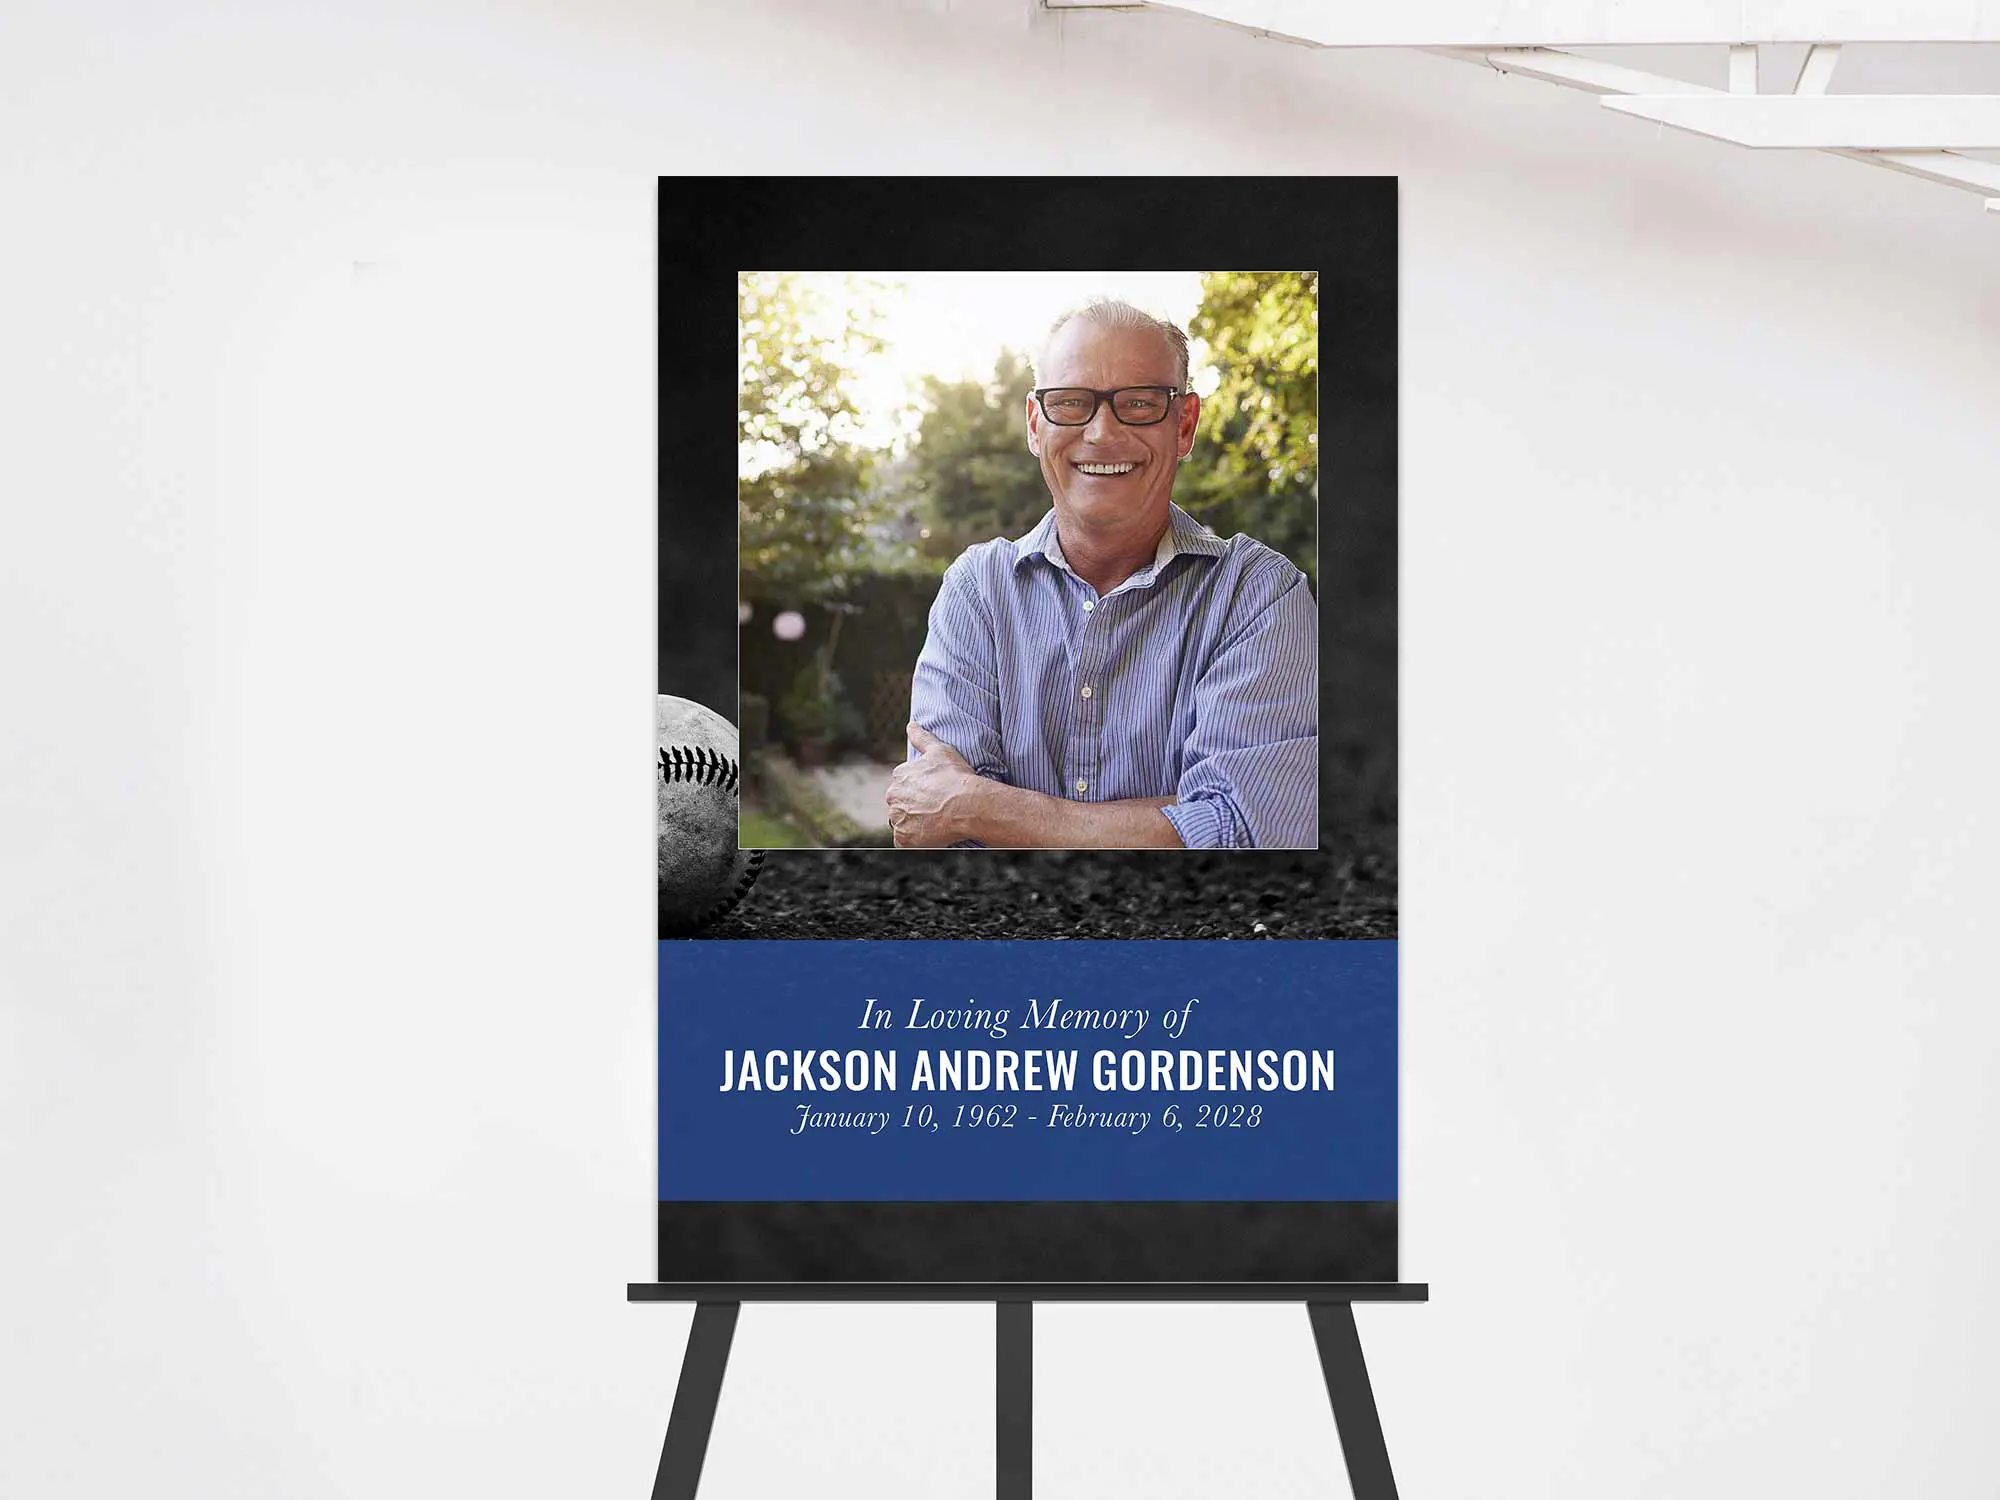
[1119, 676]
[1029, 559]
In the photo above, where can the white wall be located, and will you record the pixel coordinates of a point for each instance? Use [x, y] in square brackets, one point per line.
[325, 520]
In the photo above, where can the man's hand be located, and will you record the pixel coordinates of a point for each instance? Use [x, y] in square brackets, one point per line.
[938, 800]
[923, 793]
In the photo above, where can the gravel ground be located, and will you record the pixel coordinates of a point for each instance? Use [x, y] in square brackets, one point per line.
[873, 893]
[1345, 889]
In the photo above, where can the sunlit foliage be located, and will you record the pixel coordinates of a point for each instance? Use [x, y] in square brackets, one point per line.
[803, 483]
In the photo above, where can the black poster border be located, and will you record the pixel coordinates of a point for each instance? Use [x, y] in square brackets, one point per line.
[711, 228]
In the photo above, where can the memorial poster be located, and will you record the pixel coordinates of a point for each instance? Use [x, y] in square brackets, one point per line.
[1026, 712]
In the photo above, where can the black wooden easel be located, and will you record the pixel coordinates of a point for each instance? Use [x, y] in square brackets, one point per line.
[1329, 1305]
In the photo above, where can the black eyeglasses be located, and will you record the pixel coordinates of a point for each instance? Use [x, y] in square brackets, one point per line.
[1134, 405]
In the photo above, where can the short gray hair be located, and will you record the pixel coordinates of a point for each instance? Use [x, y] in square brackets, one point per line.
[1112, 313]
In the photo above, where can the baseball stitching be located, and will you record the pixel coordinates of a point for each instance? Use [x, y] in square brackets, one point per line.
[707, 767]
[743, 884]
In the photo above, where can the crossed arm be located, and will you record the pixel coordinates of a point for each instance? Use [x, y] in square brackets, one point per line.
[938, 800]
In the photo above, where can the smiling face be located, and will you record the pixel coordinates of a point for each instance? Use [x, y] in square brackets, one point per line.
[1111, 483]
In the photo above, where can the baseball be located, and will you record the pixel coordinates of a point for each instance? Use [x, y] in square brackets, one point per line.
[702, 872]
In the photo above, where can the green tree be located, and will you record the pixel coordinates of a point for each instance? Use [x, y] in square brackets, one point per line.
[1260, 427]
[971, 476]
[802, 492]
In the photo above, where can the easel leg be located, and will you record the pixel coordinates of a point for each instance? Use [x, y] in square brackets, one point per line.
[1353, 1400]
[1014, 1413]
[694, 1400]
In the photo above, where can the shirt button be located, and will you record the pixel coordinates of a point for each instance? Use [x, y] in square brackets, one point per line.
[1089, 605]
[1086, 692]
[1082, 787]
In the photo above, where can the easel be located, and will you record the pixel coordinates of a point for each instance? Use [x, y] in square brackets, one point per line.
[1330, 1306]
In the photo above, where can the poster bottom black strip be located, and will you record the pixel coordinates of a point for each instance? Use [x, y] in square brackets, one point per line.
[1019, 1241]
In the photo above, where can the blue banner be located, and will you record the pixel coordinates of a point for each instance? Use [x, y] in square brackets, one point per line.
[1027, 1071]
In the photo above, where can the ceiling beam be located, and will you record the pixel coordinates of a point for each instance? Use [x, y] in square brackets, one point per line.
[1591, 76]
[1743, 70]
[1586, 74]
[1851, 122]
[1816, 72]
[1966, 172]
[1592, 23]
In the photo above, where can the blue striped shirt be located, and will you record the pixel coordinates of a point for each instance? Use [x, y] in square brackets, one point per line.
[1196, 679]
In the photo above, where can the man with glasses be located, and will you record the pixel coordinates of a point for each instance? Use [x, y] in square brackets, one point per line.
[1119, 677]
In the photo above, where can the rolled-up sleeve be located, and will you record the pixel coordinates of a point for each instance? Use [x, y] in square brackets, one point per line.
[1251, 777]
[956, 691]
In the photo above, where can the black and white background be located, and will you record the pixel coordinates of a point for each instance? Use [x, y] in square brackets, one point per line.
[1346, 229]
